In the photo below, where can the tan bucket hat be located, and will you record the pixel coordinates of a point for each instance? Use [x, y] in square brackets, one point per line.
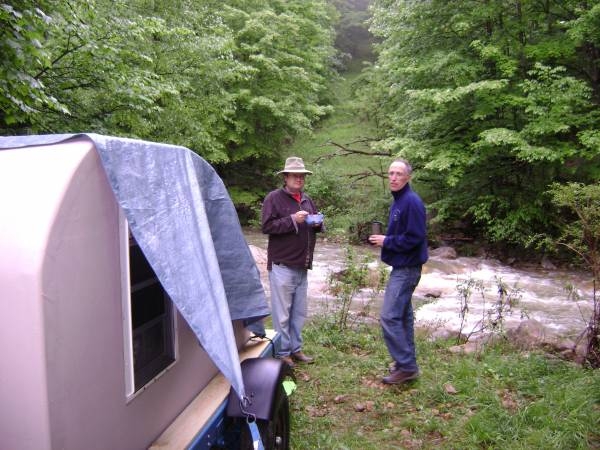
[294, 165]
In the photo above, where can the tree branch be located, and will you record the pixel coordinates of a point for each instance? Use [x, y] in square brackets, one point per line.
[346, 150]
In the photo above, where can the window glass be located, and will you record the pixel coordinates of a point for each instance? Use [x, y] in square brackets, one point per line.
[149, 326]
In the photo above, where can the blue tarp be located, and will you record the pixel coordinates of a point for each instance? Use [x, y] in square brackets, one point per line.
[183, 219]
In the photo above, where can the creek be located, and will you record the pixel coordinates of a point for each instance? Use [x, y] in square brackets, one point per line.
[541, 293]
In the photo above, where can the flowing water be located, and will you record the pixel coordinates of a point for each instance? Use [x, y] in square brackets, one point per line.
[541, 293]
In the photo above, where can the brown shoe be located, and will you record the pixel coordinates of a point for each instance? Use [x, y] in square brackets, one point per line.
[399, 376]
[287, 360]
[302, 358]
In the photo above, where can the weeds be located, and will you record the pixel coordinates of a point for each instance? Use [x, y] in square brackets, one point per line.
[508, 297]
[500, 398]
[581, 235]
[465, 291]
[354, 278]
[493, 318]
[591, 334]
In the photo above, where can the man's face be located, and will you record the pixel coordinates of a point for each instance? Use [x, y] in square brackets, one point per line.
[294, 182]
[397, 176]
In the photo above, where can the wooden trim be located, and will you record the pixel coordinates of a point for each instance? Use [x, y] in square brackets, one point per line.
[196, 415]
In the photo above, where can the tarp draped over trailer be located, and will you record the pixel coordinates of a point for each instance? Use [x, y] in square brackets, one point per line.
[183, 219]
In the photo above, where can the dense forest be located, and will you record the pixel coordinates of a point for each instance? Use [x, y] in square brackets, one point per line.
[231, 80]
[494, 101]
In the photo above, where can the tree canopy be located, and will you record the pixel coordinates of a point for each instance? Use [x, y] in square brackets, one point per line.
[230, 80]
[492, 101]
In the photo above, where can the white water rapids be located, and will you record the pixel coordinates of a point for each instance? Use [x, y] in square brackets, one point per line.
[541, 293]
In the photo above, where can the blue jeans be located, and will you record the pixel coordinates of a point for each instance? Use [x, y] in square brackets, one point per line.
[289, 305]
[397, 318]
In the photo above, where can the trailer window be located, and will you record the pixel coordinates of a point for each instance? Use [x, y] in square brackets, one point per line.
[149, 325]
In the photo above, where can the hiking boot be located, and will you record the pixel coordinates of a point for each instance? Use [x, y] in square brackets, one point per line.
[302, 358]
[288, 360]
[400, 376]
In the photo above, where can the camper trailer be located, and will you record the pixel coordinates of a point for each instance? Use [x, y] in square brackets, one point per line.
[127, 289]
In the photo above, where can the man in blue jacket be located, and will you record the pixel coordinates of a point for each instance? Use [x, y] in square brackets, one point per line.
[404, 247]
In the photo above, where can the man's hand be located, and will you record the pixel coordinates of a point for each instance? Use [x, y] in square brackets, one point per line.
[300, 216]
[377, 239]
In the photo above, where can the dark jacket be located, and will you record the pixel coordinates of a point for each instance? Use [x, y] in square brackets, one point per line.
[405, 244]
[290, 243]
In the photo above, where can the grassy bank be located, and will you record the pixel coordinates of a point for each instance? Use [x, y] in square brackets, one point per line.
[499, 398]
[345, 186]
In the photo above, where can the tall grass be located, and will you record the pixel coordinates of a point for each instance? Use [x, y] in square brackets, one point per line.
[499, 398]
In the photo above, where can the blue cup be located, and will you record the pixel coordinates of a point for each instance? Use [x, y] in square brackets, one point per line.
[314, 219]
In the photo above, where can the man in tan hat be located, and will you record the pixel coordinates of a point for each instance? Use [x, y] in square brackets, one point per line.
[287, 219]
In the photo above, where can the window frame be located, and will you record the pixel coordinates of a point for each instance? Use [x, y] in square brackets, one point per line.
[131, 391]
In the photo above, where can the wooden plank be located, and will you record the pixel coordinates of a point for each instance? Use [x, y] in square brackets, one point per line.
[184, 428]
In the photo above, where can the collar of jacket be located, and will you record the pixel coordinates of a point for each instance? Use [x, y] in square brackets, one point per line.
[401, 192]
[291, 195]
